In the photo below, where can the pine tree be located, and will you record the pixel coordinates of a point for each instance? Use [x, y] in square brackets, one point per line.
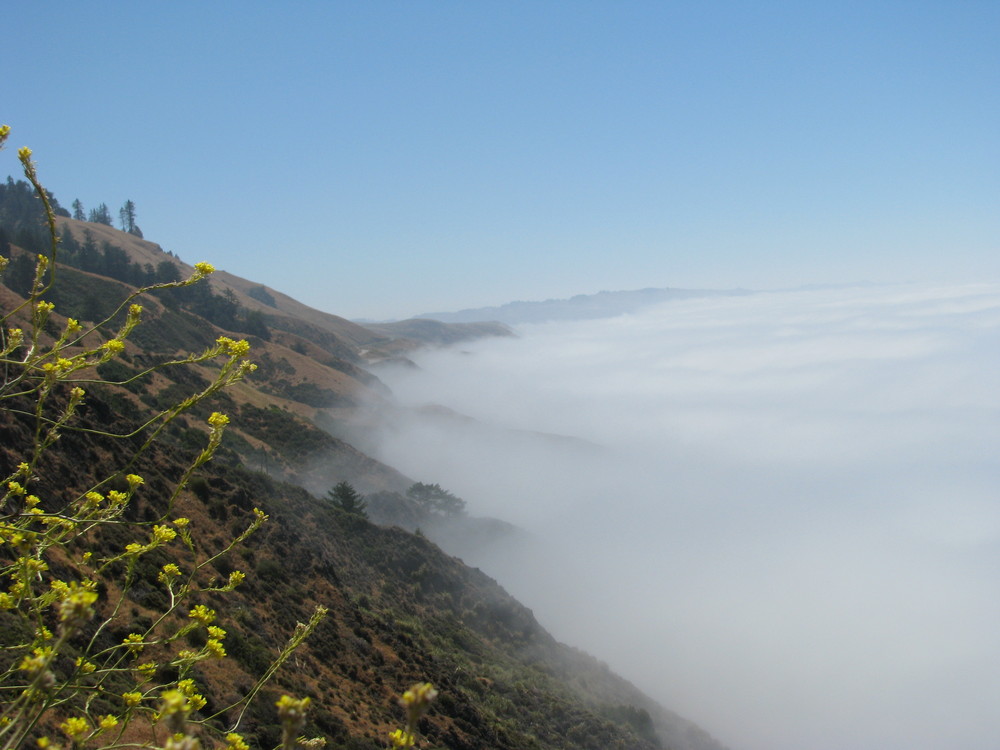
[127, 216]
[345, 497]
[78, 213]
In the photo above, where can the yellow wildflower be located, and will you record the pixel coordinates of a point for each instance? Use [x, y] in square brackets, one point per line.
[163, 534]
[75, 727]
[234, 348]
[188, 686]
[215, 649]
[133, 642]
[235, 579]
[402, 738]
[85, 667]
[108, 722]
[202, 614]
[114, 346]
[169, 572]
[214, 631]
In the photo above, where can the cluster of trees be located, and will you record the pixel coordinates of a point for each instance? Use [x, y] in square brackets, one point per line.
[21, 209]
[102, 215]
[431, 497]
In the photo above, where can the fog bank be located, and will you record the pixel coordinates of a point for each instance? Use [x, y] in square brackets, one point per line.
[777, 514]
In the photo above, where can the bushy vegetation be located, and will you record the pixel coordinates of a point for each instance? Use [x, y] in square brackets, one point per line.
[107, 612]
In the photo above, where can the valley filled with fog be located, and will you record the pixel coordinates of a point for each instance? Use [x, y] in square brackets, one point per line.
[777, 514]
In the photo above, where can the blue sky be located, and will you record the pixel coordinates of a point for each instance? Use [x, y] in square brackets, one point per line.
[383, 159]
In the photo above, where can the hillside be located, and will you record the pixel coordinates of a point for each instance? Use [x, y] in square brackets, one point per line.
[400, 610]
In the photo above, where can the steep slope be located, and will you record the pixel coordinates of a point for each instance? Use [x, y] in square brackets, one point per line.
[400, 610]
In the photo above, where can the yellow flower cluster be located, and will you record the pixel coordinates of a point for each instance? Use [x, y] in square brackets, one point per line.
[85, 667]
[113, 347]
[133, 642]
[132, 699]
[214, 649]
[234, 348]
[235, 579]
[402, 738]
[202, 614]
[162, 535]
[168, 573]
[75, 727]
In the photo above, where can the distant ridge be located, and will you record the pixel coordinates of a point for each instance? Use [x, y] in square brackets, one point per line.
[581, 307]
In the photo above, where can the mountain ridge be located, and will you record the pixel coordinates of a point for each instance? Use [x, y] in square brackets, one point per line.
[579, 307]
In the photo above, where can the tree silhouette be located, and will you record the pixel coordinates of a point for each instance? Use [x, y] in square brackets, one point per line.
[127, 216]
[345, 497]
[436, 499]
[100, 215]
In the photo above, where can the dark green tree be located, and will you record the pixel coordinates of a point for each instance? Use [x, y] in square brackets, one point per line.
[127, 216]
[100, 215]
[345, 497]
[436, 499]
[78, 213]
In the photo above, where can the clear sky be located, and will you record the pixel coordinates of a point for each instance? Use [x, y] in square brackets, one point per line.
[383, 159]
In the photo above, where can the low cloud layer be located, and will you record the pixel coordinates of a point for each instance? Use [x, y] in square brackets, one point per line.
[777, 514]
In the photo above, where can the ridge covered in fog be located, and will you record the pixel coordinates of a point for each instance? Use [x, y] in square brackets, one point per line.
[579, 307]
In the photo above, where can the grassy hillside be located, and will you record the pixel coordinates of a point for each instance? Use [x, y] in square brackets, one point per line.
[399, 609]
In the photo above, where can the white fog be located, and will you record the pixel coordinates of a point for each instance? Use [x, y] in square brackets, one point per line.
[778, 514]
